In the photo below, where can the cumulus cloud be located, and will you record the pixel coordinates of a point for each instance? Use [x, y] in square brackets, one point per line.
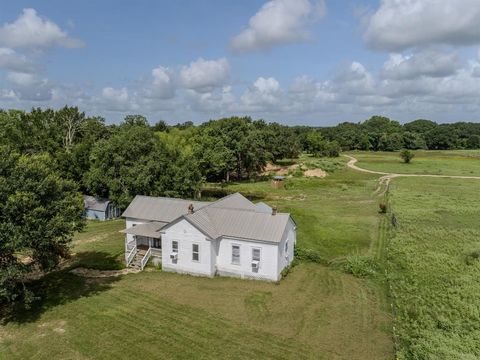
[11, 60]
[401, 24]
[278, 22]
[30, 87]
[113, 99]
[162, 85]
[33, 31]
[204, 75]
[264, 94]
[428, 63]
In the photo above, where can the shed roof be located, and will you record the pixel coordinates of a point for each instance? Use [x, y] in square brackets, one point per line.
[161, 209]
[94, 203]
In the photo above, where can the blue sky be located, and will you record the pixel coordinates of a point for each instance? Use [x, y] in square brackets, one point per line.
[292, 61]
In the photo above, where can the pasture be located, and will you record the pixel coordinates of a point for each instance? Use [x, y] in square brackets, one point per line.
[433, 261]
[448, 162]
[316, 312]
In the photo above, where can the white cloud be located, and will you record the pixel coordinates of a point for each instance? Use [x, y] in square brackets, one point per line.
[11, 60]
[204, 75]
[116, 100]
[162, 85]
[428, 63]
[31, 87]
[35, 32]
[265, 94]
[401, 24]
[278, 22]
[7, 94]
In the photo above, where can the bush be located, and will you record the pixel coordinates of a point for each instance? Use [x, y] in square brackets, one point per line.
[407, 156]
[309, 255]
[361, 266]
[383, 208]
[289, 268]
[472, 257]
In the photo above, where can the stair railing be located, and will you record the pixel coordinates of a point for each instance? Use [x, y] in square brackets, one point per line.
[129, 256]
[145, 258]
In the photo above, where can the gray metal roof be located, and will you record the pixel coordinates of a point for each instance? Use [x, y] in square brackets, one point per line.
[150, 229]
[262, 207]
[159, 208]
[94, 203]
[240, 223]
[236, 216]
[233, 216]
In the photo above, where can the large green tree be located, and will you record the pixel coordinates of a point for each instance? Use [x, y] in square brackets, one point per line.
[39, 213]
[136, 161]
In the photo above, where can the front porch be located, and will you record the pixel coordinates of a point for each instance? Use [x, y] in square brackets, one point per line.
[142, 242]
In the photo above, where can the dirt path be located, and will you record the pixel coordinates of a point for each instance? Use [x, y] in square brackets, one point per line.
[93, 273]
[387, 177]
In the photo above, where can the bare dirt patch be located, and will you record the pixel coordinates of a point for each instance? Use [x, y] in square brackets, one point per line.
[279, 170]
[93, 273]
[315, 173]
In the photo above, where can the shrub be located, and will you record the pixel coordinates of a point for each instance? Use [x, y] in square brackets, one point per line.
[383, 208]
[472, 257]
[289, 268]
[361, 266]
[407, 155]
[309, 255]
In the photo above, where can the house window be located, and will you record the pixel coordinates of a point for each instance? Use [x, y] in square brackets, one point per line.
[255, 254]
[236, 254]
[286, 246]
[195, 252]
[175, 246]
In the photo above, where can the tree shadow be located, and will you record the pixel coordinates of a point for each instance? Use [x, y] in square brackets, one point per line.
[99, 260]
[54, 289]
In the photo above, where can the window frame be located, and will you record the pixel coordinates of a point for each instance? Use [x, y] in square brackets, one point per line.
[259, 254]
[173, 248]
[239, 255]
[196, 252]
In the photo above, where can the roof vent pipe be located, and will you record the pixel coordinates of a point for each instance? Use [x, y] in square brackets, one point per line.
[190, 209]
[274, 210]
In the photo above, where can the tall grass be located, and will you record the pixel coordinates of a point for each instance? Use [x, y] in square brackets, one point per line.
[433, 268]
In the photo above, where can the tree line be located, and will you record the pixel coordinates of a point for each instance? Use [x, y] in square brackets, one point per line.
[383, 134]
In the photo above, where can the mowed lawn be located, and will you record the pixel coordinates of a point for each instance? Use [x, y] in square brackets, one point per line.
[316, 312]
[434, 266]
[448, 162]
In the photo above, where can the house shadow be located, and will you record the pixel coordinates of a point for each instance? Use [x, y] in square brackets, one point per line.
[56, 288]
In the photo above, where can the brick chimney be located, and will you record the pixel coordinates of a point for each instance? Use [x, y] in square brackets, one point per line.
[274, 210]
[190, 209]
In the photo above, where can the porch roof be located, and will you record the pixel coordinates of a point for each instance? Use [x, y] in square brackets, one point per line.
[148, 229]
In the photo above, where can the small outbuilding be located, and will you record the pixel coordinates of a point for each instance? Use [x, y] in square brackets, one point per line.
[278, 182]
[99, 208]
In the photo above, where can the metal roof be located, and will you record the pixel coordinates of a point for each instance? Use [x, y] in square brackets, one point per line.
[240, 223]
[246, 220]
[159, 208]
[262, 207]
[94, 203]
[231, 216]
[148, 229]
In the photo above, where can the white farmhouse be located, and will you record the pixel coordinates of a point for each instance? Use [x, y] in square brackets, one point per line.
[231, 236]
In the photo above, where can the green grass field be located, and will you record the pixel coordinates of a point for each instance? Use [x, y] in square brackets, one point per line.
[316, 312]
[434, 266]
[336, 216]
[452, 162]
